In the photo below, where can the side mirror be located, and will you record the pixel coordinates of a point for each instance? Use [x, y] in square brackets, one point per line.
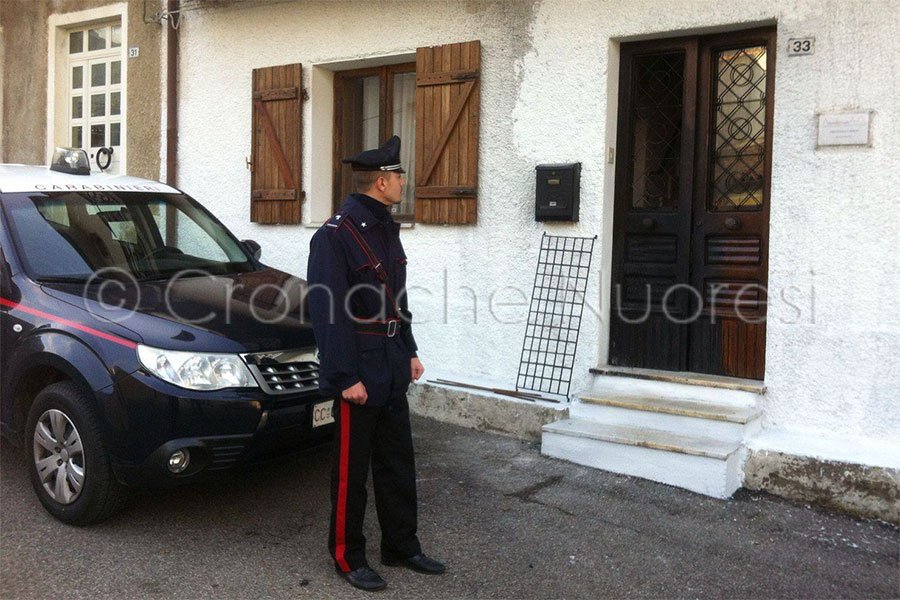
[253, 248]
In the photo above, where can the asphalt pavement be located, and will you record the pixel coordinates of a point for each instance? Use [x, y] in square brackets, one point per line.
[508, 522]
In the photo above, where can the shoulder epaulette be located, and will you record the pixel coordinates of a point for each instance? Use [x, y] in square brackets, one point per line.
[335, 220]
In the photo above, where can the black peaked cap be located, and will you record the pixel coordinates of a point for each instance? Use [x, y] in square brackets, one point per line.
[386, 158]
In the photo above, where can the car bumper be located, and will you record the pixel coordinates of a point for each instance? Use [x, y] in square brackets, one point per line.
[219, 430]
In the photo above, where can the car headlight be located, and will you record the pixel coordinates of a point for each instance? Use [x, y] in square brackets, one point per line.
[196, 370]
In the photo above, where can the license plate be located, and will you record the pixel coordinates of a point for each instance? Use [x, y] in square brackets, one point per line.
[322, 414]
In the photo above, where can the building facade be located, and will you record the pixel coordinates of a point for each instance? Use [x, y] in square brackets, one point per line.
[737, 163]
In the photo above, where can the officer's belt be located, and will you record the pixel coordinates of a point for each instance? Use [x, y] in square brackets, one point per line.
[388, 328]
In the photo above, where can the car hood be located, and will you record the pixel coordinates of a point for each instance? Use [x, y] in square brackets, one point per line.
[258, 311]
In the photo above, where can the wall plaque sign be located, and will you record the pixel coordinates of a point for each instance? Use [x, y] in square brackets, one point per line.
[844, 129]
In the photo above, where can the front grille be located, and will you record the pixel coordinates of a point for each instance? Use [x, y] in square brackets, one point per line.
[285, 372]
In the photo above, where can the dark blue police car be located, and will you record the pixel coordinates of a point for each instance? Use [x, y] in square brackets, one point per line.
[140, 341]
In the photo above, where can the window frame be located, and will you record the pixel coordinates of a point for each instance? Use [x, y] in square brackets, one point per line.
[58, 26]
[386, 74]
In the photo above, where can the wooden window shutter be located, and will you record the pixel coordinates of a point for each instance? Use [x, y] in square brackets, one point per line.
[275, 164]
[448, 92]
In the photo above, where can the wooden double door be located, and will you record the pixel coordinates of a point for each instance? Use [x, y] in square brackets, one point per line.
[691, 223]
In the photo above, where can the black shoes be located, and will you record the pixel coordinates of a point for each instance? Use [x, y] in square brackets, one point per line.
[363, 578]
[419, 563]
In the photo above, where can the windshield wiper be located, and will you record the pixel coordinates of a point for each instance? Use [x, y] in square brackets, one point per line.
[77, 279]
[157, 277]
[63, 279]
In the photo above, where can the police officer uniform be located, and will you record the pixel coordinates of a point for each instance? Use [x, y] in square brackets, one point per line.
[358, 307]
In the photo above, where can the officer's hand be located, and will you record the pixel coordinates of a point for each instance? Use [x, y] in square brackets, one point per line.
[356, 393]
[416, 367]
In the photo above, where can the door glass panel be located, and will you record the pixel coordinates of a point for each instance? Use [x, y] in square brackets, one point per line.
[657, 94]
[370, 106]
[114, 102]
[77, 106]
[116, 37]
[77, 74]
[76, 42]
[371, 111]
[98, 135]
[737, 167]
[76, 137]
[404, 120]
[115, 130]
[98, 105]
[115, 72]
[98, 74]
[97, 38]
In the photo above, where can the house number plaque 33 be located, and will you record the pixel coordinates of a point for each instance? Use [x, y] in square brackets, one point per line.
[801, 46]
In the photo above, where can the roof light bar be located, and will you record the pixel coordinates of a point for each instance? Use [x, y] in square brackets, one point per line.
[71, 160]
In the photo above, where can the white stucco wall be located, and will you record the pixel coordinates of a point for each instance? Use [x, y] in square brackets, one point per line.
[549, 83]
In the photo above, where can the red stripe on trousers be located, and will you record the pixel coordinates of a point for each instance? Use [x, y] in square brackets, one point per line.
[343, 476]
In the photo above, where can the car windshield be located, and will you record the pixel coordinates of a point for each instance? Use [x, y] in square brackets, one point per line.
[71, 236]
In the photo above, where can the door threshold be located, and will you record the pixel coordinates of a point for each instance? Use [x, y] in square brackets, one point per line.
[685, 377]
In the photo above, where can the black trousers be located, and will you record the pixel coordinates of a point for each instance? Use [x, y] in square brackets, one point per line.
[379, 435]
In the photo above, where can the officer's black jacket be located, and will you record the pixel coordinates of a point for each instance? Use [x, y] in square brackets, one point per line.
[339, 269]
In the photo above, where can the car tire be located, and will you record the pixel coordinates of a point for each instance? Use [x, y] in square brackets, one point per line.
[66, 459]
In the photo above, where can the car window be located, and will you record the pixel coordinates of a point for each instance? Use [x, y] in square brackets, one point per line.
[186, 234]
[118, 218]
[54, 211]
[75, 234]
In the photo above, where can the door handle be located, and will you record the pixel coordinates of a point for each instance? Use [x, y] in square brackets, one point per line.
[648, 223]
[732, 223]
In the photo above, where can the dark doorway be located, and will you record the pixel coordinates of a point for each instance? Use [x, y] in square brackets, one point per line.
[691, 225]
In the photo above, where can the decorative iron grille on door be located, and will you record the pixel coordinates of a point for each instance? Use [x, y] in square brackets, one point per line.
[554, 316]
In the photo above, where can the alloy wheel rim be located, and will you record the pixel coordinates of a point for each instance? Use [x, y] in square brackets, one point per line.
[59, 456]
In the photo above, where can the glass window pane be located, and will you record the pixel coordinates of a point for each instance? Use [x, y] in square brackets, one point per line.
[114, 100]
[76, 137]
[116, 38]
[115, 131]
[98, 135]
[76, 42]
[657, 91]
[97, 38]
[98, 105]
[737, 169]
[404, 119]
[98, 74]
[371, 111]
[77, 107]
[115, 72]
[77, 76]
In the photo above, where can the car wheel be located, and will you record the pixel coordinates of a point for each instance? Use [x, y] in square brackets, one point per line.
[67, 461]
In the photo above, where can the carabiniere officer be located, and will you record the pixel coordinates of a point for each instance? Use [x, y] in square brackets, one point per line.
[358, 307]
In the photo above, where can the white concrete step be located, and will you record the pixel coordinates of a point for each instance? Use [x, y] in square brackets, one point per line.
[700, 464]
[705, 418]
[676, 385]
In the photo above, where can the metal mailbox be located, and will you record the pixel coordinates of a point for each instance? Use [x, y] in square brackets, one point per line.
[557, 192]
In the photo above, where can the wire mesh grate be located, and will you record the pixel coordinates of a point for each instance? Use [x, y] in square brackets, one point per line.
[554, 316]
